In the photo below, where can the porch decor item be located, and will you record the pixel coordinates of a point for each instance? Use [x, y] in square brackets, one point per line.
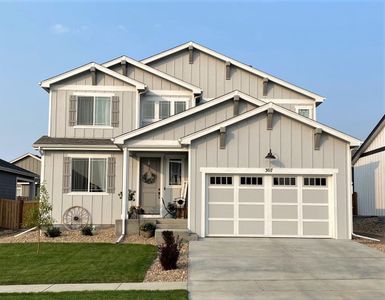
[149, 177]
[147, 230]
[76, 217]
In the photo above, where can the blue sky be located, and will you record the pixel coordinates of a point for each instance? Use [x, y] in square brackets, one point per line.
[335, 49]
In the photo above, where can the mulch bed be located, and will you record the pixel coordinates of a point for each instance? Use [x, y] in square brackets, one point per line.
[373, 227]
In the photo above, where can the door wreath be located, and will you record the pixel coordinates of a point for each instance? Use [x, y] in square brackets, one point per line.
[149, 177]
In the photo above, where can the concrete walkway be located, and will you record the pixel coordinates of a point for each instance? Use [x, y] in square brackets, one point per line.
[248, 268]
[36, 288]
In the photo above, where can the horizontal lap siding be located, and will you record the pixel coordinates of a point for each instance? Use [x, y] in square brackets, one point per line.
[247, 144]
[208, 73]
[105, 209]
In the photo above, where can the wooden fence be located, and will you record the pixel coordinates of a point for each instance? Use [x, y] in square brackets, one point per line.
[13, 212]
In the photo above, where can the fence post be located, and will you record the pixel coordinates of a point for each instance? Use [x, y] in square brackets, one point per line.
[21, 211]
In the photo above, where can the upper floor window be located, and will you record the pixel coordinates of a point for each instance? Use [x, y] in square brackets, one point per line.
[305, 111]
[157, 108]
[89, 175]
[93, 111]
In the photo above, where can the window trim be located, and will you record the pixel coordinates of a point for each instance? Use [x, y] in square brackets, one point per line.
[308, 107]
[168, 185]
[171, 99]
[94, 95]
[88, 192]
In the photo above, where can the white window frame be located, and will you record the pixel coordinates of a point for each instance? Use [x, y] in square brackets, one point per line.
[107, 95]
[89, 174]
[308, 107]
[170, 159]
[157, 100]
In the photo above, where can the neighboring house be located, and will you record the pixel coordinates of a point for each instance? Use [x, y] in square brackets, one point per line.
[190, 114]
[369, 173]
[10, 176]
[29, 162]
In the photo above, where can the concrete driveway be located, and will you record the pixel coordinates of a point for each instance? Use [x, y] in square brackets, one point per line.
[248, 268]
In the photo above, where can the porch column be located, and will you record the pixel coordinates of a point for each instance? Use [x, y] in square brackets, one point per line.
[125, 186]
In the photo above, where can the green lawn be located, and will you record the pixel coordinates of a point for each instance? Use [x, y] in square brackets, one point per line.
[74, 263]
[129, 295]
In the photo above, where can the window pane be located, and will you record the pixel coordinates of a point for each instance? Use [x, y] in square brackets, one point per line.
[102, 111]
[85, 110]
[260, 181]
[179, 106]
[229, 180]
[292, 180]
[175, 172]
[275, 180]
[304, 112]
[254, 180]
[212, 180]
[306, 181]
[79, 181]
[323, 181]
[217, 180]
[148, 109]
[98, 175]
[243, 180]
[164, 109]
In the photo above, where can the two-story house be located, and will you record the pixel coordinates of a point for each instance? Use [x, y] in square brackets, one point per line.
[246, 145]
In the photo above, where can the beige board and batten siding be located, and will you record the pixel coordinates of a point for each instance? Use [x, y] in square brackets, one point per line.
[209, 73]
[104, 208]
[247, 144]
[369, 179]
[29, 163]
[193, 123]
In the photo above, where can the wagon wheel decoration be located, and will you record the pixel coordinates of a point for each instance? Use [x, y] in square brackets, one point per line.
[76, 217]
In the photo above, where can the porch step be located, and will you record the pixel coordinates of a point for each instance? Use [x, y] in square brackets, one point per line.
[184, 235]
[172, 221]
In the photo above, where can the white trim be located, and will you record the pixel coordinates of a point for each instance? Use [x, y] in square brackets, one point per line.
[76, 148]
[24, 156]
[49, 112]
[93, 127]
[349, 191]
[120, 139]
[42, 168]
[151, 70]
[124, 211]
[152, 143]
[148, 60]
[158, 149]
[95, 88]
[170, 93]
[85, 155]
[93, 94]
[87, 194]
[47, 83]
[290, 101]
[262, 171]
[187, 139]
[189, 176]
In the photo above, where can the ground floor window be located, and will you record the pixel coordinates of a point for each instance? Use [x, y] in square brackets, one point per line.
[89, 175]
[175, 172]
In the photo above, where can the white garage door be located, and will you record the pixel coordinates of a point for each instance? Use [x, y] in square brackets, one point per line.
[269, 205]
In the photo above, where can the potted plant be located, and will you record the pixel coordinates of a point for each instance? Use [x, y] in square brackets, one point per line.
[147, 229]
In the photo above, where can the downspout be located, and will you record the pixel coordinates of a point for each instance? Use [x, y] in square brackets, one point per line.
[365, 237]
[124, 195]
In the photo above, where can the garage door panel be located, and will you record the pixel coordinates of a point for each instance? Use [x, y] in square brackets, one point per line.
[221, 211]
[315, 212]
[252, 227]
[251, 195]
[251, 211]
[315, 196]
[285, 228]
[221, 195]
[284, 196]
[221, 227]
[316, 228]
[284, 211]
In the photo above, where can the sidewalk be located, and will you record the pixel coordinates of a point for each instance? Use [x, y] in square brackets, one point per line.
[37, 288]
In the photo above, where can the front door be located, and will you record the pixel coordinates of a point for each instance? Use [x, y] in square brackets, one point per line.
[150, 185]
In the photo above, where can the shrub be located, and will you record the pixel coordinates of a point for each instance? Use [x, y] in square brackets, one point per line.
[169, 251]
[53, 232]
[147, 227]
[87, 230]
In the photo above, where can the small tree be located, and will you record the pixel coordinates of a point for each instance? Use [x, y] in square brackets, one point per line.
[40, 215]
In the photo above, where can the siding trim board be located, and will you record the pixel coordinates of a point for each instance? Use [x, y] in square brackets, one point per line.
[234, 62]
[24, 156]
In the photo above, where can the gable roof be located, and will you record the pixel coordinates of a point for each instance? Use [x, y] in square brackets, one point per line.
[24, 156]
[11, 168]
[186, 140]
[234, 62]
[121, 138]
[372, 135]
[131, 61]
[47, 83]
